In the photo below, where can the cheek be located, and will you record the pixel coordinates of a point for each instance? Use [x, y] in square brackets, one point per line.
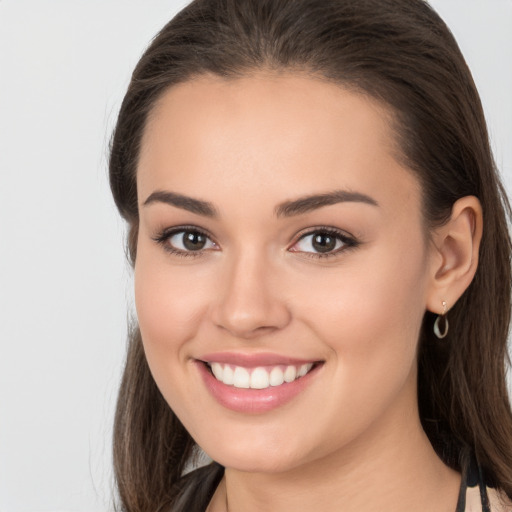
[170, 302]
[369, 318]
[370, 312]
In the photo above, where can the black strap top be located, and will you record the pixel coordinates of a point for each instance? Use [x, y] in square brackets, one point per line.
[473, 493]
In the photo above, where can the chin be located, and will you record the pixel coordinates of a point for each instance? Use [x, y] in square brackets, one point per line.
[253, 463]
[254, 458]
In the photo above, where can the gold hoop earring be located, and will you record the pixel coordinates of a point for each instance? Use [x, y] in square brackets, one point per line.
[441, 324]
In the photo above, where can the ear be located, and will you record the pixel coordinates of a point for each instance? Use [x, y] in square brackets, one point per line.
[454, 254]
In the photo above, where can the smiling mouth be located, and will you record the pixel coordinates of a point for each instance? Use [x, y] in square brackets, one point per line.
[260, 377]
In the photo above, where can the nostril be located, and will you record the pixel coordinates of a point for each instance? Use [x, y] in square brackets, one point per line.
[247, 332]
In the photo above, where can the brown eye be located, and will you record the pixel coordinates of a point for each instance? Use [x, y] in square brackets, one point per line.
[193, 241]
[323, 242]
[187, 241]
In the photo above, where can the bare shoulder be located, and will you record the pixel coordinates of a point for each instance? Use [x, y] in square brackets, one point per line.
[499, 501]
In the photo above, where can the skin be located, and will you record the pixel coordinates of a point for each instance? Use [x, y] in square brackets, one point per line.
[352, 440]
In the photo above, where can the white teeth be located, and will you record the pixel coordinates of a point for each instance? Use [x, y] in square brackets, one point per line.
[229, 376]
[260, 377]
[218, 371]
[276, 376]
[304, 369]
[290, 373]
[241, 378]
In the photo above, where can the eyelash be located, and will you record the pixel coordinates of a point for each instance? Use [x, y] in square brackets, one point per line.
[164, 237]
[348, 241]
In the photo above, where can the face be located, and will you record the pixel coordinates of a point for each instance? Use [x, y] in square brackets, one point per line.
[281, 247]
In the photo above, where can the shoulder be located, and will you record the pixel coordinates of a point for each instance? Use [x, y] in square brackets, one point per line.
[195, 489]
[498, 501]
[493, 500]
[477, 494]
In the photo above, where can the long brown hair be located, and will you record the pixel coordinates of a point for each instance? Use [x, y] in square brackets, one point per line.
[402, 53]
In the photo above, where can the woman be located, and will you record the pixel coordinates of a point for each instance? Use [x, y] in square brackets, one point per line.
[322, 265]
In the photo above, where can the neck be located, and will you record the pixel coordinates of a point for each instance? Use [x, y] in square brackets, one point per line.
[391, 467]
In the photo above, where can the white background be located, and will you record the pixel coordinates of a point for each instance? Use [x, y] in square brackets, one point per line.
[64, 286]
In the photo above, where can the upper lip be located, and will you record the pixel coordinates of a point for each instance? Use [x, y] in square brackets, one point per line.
[253, 360]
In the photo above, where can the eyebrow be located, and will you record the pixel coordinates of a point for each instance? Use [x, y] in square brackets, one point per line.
[286, 209]
[184, 202]
[309, 203]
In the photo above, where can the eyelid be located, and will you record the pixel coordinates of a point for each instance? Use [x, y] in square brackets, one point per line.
[163, 236]
[349, 241]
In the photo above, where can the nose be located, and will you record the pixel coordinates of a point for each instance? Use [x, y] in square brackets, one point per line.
[250, 301]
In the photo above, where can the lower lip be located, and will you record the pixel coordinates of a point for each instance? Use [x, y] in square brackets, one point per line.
[254, 400]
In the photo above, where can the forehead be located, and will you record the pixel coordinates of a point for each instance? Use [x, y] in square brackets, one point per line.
[267, 130]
